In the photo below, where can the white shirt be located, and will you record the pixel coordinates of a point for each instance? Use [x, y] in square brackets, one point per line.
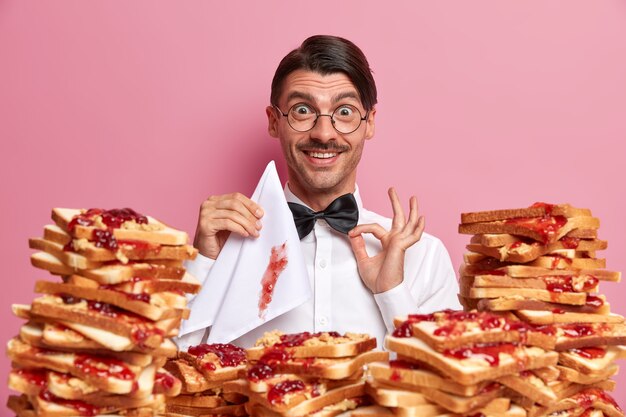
[341, 302]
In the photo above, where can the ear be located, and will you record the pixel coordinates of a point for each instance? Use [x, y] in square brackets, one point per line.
[370, 125]
[272, 121]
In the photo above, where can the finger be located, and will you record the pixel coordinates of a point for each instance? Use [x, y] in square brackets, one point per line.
[253, 207]
[377, 230]
[416, 233]
[358, 247]
[398, 214]
[235, 217]
[413, 214]
[231, 226]
[239, 207]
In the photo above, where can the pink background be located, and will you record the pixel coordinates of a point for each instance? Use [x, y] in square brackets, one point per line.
[156, 105]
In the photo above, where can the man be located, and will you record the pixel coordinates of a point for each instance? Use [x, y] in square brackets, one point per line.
[322, 112]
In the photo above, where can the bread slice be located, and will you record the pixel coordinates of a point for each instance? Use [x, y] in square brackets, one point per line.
[591, 360]
[393, 397]
[579, 335]
[562, 262]
[529, 385]
[216, 361]
[328, 368]
[313, 345]
[542, 229]
[141, 304]
[579, 377]
[126, 249]
[411, 376]
[573, 298]
[302, 408]
[186, 411]
[593, 305]
[590, 398]
[459, 404]
[192, 380]
[474, 367]
[548, 317]
[522, 252]
[525, 271]
[72, 260]
[536, 210]
[570, 283]
[103, 316]
[203, 401]
[453, 329]
[119, 377]
[108, 274]
[151, 231]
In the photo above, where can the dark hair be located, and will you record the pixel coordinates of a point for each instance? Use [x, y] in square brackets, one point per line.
[328, 55]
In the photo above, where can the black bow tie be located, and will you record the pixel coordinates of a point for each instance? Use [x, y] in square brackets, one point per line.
[342, 215]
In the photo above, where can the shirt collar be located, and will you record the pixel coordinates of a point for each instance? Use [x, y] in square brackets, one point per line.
[292, 198]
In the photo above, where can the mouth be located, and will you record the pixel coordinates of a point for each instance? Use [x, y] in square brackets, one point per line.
[321, 155]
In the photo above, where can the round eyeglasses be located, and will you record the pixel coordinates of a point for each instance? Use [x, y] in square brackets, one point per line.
[302, 117]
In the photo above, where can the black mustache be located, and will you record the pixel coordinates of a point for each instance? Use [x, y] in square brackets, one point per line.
[318, 146]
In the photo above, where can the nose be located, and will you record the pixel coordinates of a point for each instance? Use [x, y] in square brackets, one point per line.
[323, 130]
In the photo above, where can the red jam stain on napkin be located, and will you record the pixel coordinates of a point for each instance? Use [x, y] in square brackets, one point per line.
[278, 263]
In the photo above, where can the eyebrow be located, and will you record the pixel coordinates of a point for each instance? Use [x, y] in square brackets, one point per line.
[308, 97]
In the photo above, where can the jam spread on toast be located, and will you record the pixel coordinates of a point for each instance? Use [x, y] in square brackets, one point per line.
[103, 367]
[228, 354]
[81, 407]
[490, 352]
[277, 393]
[113, 218]
[36, 377]
[589, 352]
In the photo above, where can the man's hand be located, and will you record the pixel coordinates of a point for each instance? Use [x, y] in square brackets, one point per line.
[385, 271]
[222, 214]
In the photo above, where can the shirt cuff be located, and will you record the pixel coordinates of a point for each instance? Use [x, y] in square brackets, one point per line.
[396, 302]
[199, 267]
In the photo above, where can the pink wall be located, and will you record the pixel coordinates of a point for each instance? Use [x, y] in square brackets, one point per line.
[483, 105]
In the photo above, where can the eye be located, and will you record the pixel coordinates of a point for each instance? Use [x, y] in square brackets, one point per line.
[302, 109]
[345, 111]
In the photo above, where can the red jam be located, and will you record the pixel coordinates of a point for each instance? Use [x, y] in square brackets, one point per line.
[404, 330]
[588, 397]
[81, 407]
[589, 352]
[566, 284]
[277, 393]
[298, 339]
[165, 381]
[142, 332]
[516, 245]
[578, 330]
[403, 364]
[228, 354]
[547, 227]
[594, 301]
[395, 376]
[140, 248]
[490, 352]
[260, 371]
[104, 239]
[142, 296]
[277, 264]
[38, 377]
[570, 242]
[548, 208]
[103, 367]
[113, 218]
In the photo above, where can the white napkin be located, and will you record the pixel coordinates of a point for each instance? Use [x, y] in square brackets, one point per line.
[231, 303]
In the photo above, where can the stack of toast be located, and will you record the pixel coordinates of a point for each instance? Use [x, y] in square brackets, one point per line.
[96, 340]
[540, 265]
[319, 374]
[452, 362]
[203, 370]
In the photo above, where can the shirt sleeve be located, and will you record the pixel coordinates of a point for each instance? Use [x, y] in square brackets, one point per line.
[199, 268]
[429, 285]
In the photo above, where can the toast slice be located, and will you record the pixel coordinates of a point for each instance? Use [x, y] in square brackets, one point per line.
[551, 317]
[406, 374]
[524, 271]
[579, 377]
[123, 250]
[452, 329]
[217, 361]
[328, 368]
[192, 380]
[580, 335]
[108, 274]
[591, 360]
[529, 385]
[125, 224]
[593, 305]
[567, 283]
[313, 345]
[175, 410]
[535, 210]
[470, 365]
[522, 252]
[110, 375]
[573, 298]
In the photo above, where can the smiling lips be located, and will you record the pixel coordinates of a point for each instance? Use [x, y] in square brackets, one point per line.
[322, 155]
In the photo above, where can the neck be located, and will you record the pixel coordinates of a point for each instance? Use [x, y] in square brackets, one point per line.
[319, 199]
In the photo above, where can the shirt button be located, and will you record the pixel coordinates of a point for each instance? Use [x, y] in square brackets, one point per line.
[323, 263]
[323, 321]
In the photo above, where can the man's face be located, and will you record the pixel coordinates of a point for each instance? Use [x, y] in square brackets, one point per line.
[321, 160]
